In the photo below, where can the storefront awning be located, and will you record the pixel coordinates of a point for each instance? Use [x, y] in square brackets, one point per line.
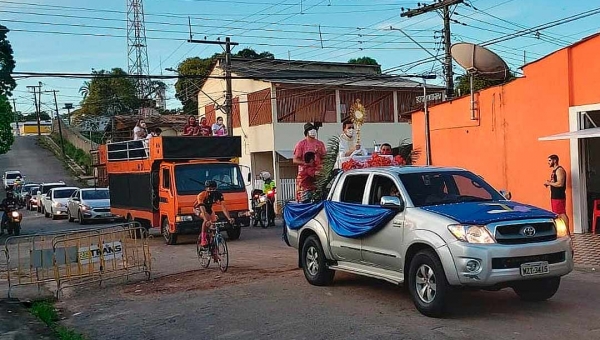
[586, 133]
[287, 154]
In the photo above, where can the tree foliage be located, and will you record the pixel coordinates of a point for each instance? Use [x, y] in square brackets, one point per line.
[363, 61]
[6, 117]
[186, 89]
[463, 85]
[104, 95]
[7, 64]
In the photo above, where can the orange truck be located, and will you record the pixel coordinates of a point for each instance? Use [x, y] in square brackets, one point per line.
[156, 181]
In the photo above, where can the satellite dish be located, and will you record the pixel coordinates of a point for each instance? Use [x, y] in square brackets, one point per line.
[480, 61]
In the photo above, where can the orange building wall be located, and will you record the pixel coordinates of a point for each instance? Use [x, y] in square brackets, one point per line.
[502, 145]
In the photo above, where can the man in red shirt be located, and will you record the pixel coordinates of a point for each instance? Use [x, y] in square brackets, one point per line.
[309, 144]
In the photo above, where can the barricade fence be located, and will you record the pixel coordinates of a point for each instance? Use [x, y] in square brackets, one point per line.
[76, 257]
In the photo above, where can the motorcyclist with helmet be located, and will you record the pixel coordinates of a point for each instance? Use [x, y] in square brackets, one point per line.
[204, 205]
[6, 204]
[269, 186]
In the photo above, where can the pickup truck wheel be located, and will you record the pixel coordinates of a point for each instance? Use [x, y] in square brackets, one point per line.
[170, 238]
[537, 290]
[427, 283]
[314, 263]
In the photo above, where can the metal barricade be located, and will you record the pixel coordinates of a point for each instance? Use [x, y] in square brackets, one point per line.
[83, 259]
[66, 255]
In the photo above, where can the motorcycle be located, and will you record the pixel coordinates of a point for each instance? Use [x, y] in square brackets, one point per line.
[262, 207]
[13, 222]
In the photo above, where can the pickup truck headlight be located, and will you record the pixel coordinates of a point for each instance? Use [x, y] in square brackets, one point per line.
[471, 233]
[183, 218]
[561, 228]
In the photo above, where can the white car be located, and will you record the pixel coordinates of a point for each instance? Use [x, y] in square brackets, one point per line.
[8, 179]
[89, 204]
[43, 190]
[55, 202]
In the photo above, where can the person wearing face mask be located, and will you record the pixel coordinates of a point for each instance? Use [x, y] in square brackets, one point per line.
[139, 131]
[309, 144]
[347, 145]
[218, 128]
[205, 129]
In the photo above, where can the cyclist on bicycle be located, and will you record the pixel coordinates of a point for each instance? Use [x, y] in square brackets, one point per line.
[204, 203]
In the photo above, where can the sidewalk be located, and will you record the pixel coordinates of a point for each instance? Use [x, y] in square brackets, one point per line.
[587, 250]
[16, 323]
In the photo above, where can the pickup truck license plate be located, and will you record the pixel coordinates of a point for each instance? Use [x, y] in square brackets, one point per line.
[534, 268]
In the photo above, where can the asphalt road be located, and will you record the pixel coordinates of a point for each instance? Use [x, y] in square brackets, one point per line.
[264, 295]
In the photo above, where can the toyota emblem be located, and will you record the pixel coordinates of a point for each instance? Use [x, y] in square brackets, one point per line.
[528, 231]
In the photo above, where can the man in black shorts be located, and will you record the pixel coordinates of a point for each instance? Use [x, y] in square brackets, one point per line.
[204, 203]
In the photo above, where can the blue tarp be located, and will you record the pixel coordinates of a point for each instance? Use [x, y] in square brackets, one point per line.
[346, 219]
[487, 212]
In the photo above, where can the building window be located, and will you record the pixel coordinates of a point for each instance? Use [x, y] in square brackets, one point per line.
[378, 104]
[209, 113]
[305, 105]
[259, 108]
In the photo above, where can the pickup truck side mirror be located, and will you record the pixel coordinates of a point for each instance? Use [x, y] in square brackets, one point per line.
[249, 177]
[506, 194]
[39, 193]
[75, 199]
[392, 202]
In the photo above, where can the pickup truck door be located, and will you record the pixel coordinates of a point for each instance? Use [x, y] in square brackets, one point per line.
[383, 248]
[352, 190]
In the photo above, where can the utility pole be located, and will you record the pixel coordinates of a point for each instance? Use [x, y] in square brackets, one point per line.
[38, 105]
[228, 90]
[16, 115]
[62, 143]
[444, 5]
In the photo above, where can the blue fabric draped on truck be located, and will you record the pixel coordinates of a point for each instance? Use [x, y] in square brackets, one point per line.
[346, 219]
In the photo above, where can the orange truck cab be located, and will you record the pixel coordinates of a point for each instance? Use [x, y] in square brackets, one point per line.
[156, 181]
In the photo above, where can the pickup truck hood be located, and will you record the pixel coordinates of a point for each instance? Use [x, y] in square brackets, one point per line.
[480, 213]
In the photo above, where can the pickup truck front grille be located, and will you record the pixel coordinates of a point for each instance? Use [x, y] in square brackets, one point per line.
[516, 262]
[517, 233]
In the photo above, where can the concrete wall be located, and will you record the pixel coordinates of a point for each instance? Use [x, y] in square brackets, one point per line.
[74, 137]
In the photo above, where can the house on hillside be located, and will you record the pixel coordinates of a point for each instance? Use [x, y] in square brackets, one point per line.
[273, 99]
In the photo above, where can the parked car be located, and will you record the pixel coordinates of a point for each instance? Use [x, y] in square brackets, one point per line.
[8, 179]
[31, 203]
[23, 191]
[43, 190]
[89, 204]
[430, 228]
[55, 202]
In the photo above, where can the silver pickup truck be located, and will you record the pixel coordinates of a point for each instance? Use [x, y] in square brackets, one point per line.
[434, 228]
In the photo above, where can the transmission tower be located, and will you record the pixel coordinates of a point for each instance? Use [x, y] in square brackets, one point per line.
[136, 47]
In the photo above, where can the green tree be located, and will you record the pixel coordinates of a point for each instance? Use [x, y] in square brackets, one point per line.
[363, 61]
[249, 53]
[7, 64]
[6, 117]
[463, 83]
[33, 117]
[109, 93]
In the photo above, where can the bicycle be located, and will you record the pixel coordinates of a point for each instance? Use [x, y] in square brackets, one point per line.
[216, 248]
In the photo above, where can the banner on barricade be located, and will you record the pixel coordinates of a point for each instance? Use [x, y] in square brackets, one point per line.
[109, 250]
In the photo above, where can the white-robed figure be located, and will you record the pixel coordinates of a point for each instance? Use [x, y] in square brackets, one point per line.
[348, 145]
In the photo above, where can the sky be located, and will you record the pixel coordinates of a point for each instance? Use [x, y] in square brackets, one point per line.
[69, 36]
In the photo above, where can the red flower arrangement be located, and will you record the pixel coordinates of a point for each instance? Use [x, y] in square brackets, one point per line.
[374, 161]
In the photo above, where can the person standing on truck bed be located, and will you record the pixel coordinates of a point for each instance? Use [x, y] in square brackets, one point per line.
[309, 144]
[204, 202]
[139, 131]
[191, 128]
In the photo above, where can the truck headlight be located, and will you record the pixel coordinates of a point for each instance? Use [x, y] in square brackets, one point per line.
[183, 218]
[561, 228]
[471, 233]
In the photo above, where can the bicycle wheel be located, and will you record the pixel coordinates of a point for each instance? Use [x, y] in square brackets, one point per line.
[222, 254]
[203, 254]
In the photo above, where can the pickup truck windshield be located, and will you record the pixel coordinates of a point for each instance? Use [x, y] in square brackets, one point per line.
[13, 175]
[446, 187]
[190, 178]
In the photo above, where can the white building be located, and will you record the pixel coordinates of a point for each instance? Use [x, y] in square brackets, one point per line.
[273, 99]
